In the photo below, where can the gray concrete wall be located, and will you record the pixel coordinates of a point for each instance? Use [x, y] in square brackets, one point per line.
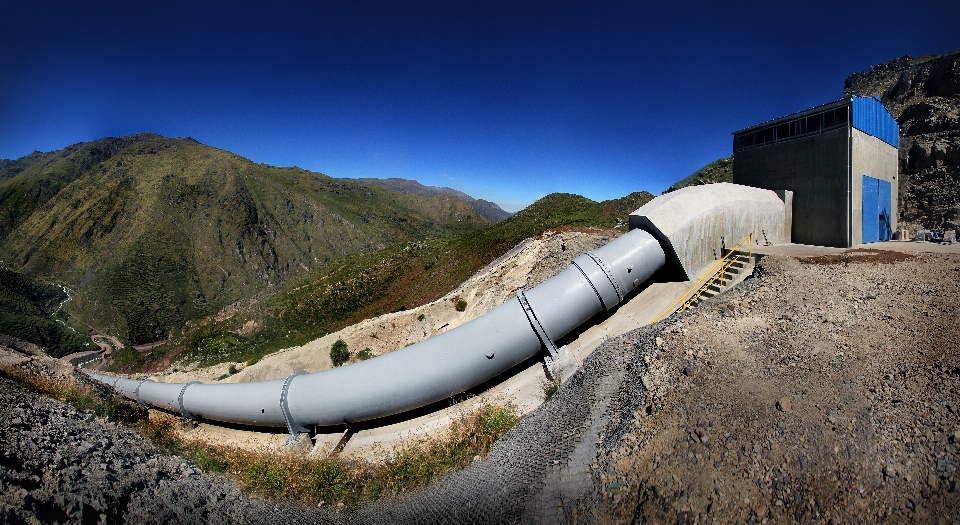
[815, 168]
[787, 197]
[697, 224]
[877, 159]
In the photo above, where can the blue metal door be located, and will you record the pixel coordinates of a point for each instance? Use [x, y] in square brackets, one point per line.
[884, 205]
[871, 230]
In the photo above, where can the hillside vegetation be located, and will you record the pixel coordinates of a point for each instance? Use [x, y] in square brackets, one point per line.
[363, 285]
[154, 231]
[490, 210]
[29, 311]
[720, 170]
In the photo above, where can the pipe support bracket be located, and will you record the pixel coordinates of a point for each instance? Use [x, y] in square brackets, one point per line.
[535, 324]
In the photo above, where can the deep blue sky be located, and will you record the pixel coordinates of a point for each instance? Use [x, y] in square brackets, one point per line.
[507, 101]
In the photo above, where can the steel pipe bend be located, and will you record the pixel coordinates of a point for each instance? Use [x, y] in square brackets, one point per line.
[426, 372]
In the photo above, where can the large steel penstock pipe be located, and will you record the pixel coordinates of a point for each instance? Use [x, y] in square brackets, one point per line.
[429, 371]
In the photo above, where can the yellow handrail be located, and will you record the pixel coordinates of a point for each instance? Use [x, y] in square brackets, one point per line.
[700, 286]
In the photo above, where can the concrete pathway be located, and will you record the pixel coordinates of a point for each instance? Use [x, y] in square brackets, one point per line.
[805, 250]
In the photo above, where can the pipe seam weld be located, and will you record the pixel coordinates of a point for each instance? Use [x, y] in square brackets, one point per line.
[535, 324]
[183, 411]
[293, 426]
[136, 391]
[587, 278]
[609, 273]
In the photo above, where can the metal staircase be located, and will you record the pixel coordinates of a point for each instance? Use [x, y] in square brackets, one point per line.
[728, 276]
[725, 273]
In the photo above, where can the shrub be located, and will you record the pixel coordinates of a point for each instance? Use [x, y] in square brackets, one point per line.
[232, 370]
[550, 388]
[252, 361]
[339, 353]
[421, 317]
[461, 304]
[364, 354]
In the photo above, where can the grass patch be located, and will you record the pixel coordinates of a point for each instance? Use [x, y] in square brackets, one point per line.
[364, 354]
[550, 388]
[336, 480]
[218, 344]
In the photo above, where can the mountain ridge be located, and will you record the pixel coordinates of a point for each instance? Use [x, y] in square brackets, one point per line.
[491, 210]
[152, 231]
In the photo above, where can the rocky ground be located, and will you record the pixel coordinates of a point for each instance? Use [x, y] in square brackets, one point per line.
[820, 390]
[823, 390]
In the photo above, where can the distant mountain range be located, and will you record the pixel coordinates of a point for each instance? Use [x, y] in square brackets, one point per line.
[364, 285]
[490, 210]
[152, 231]
[153, 236]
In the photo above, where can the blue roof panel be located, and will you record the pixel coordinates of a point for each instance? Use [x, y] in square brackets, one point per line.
[870, 117]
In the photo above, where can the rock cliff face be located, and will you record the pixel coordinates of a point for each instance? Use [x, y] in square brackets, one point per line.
[923, 94]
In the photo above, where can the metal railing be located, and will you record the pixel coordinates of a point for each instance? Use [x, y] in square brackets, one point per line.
[693, 294]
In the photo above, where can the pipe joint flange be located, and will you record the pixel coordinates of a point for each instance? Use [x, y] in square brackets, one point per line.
[136, 391]
[535, 324]
[183, 411]
[609, 273]
[292, 425]
[587, 279]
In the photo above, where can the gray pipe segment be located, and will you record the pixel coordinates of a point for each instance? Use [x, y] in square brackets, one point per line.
[426, 372]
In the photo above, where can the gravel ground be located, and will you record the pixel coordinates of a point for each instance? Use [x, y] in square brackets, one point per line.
[821, 390]
[60, 465]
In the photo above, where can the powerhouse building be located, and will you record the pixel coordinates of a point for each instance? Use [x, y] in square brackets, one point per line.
[840, 162]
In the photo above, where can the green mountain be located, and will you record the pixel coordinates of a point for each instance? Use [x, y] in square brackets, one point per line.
[923, 94]
[720, 170]
[490, 210]
[30, 310]
[154, 231]
[364, 285]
